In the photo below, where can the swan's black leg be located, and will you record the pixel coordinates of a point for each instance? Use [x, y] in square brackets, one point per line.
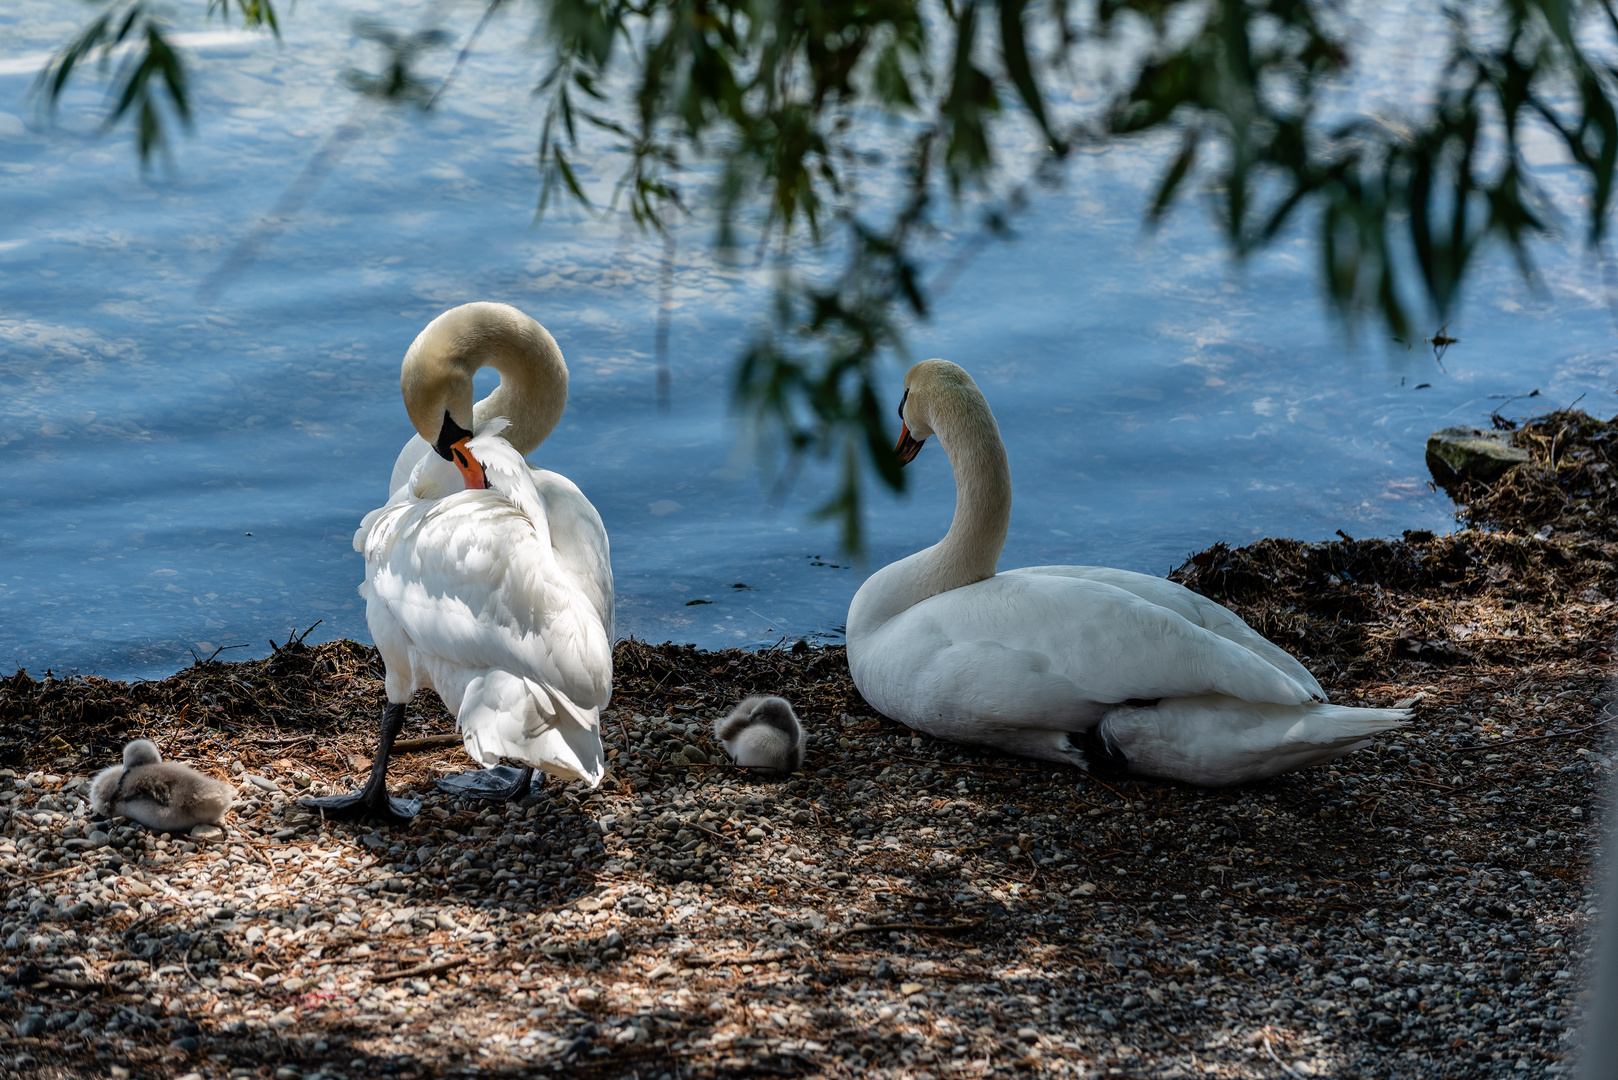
[372, 802]
[499, 784]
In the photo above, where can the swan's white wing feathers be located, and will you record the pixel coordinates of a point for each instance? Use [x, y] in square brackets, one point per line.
[578, 541]
[1219, 740]
[471, 578]
[1053, 651]
[506, 716]
[502, 603]
[1193, 607]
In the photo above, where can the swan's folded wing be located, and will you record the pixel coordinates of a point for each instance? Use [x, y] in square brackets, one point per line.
[1192, 606]
[472, 581]
[1112, 644]
[579, 542]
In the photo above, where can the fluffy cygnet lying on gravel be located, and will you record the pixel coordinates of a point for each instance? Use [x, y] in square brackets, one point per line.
[164, 796]
[763, 733]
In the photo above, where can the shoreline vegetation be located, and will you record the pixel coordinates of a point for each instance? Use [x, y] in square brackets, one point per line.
[902, 907]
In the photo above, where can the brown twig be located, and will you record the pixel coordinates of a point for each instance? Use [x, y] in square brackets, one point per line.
[434, 968]
[1535, 738]
[290, 740]
[81, 985]
[964, 764]
[1096, 780]
[1270, 1050]
[743, 958]
[1427, 783]
[925, 928]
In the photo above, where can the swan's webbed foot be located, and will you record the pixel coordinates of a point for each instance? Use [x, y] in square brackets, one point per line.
[361, 805]
[499, 784]
[372, 802]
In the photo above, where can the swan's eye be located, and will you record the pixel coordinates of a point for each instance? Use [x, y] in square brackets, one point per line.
[902, 400]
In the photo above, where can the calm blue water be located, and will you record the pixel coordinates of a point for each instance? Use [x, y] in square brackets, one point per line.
[184, 475]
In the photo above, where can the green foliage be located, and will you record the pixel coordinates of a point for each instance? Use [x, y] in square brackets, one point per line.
[768, 108]
[398, 81]
[151, 70]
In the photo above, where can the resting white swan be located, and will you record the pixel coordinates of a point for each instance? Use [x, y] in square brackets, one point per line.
[1060, 662]
[487, 580]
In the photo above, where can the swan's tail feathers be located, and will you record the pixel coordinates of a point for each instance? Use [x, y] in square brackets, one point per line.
[507, 716]
[1213, 741]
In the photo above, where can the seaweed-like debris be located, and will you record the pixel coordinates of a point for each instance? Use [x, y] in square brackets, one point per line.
[79, 723]
[683, 678]
[1531, 577]
[308, 693]
[1570, 487]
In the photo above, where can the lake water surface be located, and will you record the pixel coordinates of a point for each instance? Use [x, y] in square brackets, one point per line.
[188, 474]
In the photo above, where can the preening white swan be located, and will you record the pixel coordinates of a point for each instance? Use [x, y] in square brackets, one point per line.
[1074, 664]
[485, 579]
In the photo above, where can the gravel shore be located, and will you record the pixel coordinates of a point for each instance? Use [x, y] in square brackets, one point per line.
[900, 908]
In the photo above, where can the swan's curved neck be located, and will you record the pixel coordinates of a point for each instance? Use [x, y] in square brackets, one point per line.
[969, 551]
[438, 367]
[532, 390]
[971, 548]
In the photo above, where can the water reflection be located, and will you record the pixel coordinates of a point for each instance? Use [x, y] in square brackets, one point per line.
[185, 475]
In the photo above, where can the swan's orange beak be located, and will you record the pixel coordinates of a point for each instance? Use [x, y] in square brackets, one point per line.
[471, 468]
[908, 448]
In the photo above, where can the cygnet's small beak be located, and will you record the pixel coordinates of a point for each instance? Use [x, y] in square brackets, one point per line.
[908, 448]
[471, 468]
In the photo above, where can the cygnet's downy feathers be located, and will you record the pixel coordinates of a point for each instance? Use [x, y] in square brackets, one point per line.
[164, 796]
[763, 733]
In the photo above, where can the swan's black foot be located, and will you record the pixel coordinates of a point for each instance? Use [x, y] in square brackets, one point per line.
[1103, 758]
[372, 802]
[361, 806]
[499, 784]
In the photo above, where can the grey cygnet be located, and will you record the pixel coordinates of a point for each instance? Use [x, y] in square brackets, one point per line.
[164, 796]
[763, 733]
